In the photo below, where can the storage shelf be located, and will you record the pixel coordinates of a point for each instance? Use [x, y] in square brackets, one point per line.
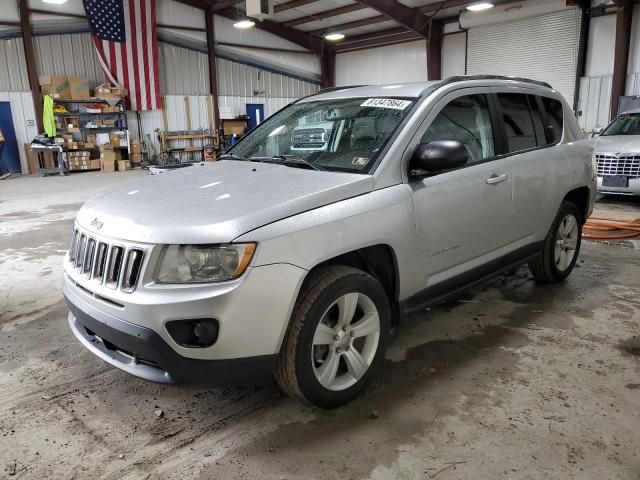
[86, 114]
[188, 136]
[96, 129]
[86, 100]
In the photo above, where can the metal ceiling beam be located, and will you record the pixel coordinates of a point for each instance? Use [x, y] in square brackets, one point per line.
[282, 7]
[430, 9]
[412, 18]
[226, 4]
[342, 27]
[325, 14]
[295, 36]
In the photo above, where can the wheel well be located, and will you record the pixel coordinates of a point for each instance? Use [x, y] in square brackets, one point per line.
[379, 261]
[580, 196]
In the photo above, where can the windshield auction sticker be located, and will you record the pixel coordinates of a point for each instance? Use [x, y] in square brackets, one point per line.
[393, 103]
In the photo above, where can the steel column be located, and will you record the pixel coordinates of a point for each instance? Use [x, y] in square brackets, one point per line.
[624, 11]
[213, 71]
[27, 41]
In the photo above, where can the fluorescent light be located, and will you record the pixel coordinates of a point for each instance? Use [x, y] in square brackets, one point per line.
[55, 2]
[334, 36]
[479, 7]
[244, 23]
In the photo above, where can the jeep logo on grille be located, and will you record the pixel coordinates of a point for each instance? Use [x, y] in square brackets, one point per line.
[97, 224]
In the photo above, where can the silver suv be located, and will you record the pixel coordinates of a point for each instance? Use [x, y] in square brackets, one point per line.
[299, 262]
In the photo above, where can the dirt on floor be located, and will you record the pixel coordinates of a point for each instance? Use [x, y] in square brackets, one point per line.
[514, 380]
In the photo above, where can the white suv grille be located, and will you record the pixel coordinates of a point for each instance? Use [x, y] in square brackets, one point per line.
[115, 266]
[627, 164]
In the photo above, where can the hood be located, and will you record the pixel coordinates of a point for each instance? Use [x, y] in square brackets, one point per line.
[214, 202]
[617, 144]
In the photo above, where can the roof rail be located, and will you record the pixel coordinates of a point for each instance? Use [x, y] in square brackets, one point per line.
[462, 78]
[333, 89]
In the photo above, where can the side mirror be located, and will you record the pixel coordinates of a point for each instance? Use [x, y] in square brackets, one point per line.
[596, 131]
[439, 155]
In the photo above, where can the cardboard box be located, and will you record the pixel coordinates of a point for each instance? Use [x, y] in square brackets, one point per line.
[94, 164]
[79, 87]
[90, 138]
[136, 145]
[107, 165]
[56, 86]
[107, 147]
[124, 165]
[135, 157]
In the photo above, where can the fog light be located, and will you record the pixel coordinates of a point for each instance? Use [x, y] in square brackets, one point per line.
[196, 333]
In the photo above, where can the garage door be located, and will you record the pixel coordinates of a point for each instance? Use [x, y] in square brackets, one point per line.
[542, 48]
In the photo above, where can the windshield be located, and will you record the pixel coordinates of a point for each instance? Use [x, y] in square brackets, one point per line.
[625, 124]
[343, 135]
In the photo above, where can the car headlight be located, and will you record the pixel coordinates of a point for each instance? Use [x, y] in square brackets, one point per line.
[203, 263]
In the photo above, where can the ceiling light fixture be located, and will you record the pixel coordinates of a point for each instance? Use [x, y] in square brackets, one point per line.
[244, 23]
[55, 2]
[479, 7]
[334, 36]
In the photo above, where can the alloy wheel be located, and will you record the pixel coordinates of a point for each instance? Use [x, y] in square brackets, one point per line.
[345, 341]
[566, 242]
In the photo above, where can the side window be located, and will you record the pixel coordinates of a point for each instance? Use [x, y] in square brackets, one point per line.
[555, 118]
[467, 120]
[518, 121]
[538, 121]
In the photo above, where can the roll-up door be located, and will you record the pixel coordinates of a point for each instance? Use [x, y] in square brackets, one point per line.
[544, 48]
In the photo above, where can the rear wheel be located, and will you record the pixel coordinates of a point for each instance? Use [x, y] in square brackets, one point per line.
[561, 246]
[337, 337]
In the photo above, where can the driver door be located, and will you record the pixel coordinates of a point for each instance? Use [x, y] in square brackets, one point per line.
[462, 214]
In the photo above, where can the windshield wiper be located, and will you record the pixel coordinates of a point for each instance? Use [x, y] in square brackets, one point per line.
[234, 156]
[295, 160]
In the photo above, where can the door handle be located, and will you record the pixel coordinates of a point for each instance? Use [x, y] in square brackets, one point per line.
[495, 179]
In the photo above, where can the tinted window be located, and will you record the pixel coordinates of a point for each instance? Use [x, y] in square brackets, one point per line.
[518, 121]
[538, 121]
[554, 119]
[467, 120]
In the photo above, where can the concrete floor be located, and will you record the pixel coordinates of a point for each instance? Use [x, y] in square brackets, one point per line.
[514, 381]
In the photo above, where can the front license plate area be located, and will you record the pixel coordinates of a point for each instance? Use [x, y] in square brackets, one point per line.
[620, 181]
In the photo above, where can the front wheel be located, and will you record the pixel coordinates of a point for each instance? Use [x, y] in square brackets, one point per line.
[337, 337]
[561, 246]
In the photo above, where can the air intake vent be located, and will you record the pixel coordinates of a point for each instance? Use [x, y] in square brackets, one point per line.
[101, 260]
[114, 267]
[132, 270]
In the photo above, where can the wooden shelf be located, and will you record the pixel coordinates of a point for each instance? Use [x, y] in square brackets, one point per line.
[85, 114]
[188, 136]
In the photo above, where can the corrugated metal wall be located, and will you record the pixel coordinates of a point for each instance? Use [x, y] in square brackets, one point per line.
[13, 74]
[594, 104]
[69, 54]
[182, 71]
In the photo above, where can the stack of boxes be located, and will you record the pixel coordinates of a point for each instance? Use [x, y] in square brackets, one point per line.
[82, 161]
[136, 151]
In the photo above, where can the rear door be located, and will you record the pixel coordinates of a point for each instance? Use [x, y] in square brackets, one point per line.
[462, 215]
[536, 164]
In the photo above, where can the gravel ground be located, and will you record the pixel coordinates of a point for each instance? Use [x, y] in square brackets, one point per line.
[514, 380]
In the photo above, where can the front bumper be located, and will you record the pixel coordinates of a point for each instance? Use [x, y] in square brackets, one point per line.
[632, 189]
[143, 353]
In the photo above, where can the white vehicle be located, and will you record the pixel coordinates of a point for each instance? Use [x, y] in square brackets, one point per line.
[617, 149]
[298, 263]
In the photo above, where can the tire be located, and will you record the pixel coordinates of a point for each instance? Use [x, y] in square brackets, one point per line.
[548, 267]
[311, 351]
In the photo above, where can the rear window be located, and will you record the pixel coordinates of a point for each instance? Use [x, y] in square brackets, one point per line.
[554, 123]
[518, 121]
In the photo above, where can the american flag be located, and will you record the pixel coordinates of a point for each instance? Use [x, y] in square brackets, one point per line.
[124, 34]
